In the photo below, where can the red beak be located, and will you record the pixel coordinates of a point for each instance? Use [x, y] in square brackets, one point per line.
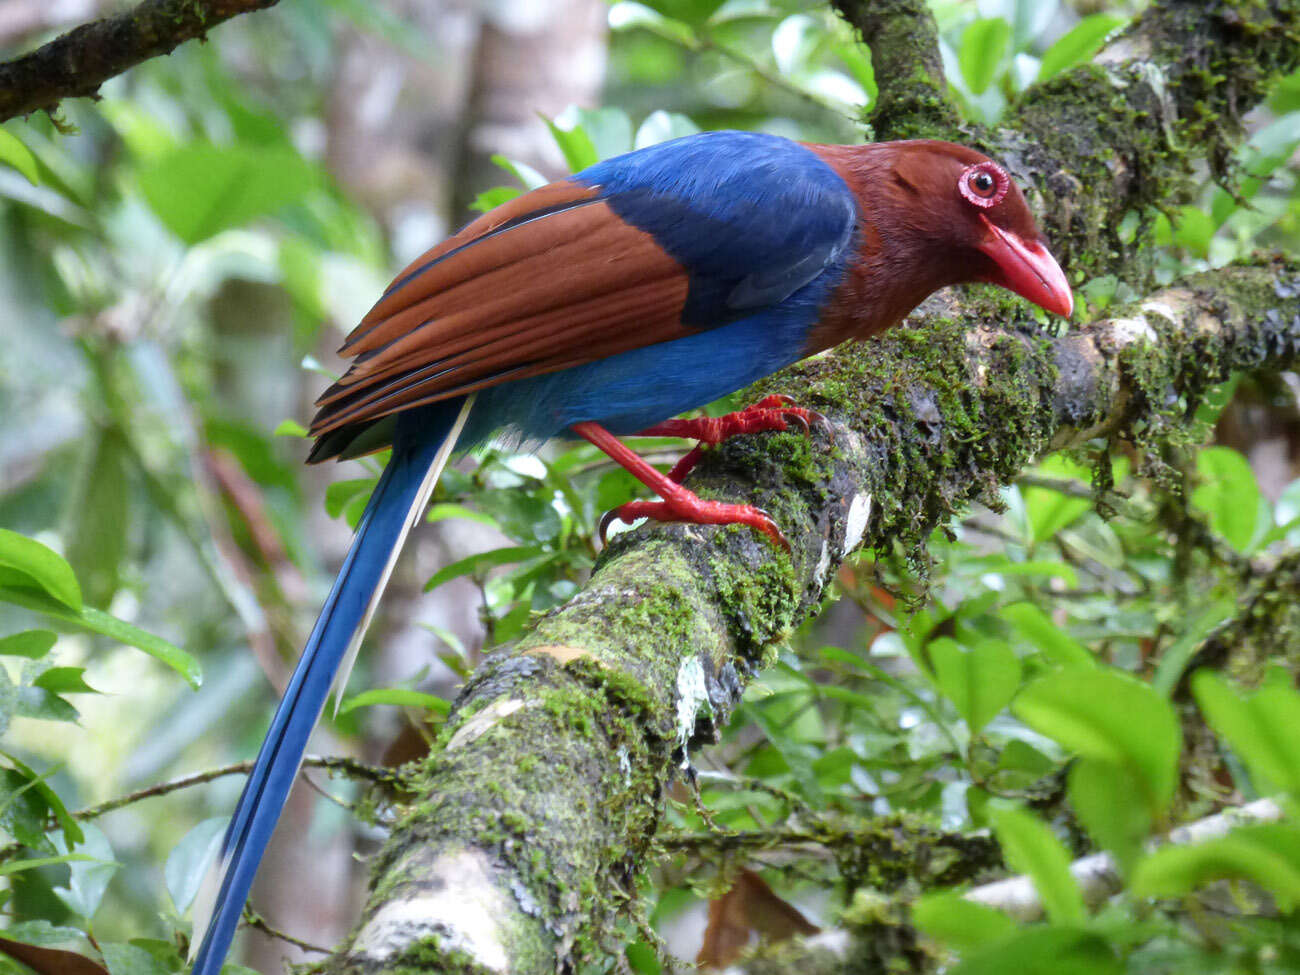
[1028, 269]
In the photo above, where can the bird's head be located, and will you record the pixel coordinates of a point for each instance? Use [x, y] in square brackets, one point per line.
[976, 218]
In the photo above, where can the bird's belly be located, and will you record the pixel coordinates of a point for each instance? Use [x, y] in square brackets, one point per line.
[637, 389]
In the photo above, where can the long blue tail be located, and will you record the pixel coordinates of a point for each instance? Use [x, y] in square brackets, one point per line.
[423, 443]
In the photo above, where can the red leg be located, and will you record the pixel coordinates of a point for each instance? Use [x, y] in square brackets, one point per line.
[678, 503]
[686, 464]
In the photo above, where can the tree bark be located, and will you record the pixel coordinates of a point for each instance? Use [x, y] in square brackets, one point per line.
[77, 63]
[538, 805]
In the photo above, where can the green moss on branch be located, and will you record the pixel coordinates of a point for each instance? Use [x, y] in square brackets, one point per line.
[912, 101]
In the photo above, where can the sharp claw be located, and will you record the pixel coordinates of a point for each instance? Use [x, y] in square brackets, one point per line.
[772, 530]
[800, 419]
[819, 420]
[607, 519]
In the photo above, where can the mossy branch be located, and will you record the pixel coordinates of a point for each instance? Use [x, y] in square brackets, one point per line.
[876, 936]
[75, 64]
[543, 794]
[912, 92]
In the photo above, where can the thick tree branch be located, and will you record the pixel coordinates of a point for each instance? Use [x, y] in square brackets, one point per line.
[912, 93]
[75, 64]
[543, 793]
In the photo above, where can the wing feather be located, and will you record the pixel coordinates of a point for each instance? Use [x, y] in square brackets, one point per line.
[526, 346]
[540, 288]
[594, 263]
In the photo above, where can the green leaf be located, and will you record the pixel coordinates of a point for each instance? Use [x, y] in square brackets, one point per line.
[1266, 854]
[1079, 44]
[857, 59]
[64, 680]
[17, 155]
[188, 863]
[445, 510]
[1052, 642]
[1229, 495]
[26, 557]
[493, 198]
[97, 621]
[1108, 716]
[578, 149]
[1048, 509]
[1261, 728]
[1044, 950]
[980, 681]
[660, 126]
[23, 809]
[1101, 794]
[45, 934]
[959, 923]
[71, 831]
[1194, 229]
[12, 867]
[42, 705]
[1003, 566]
[399, 696]
[97, 519]
[1031, 848]
[339, 494]
[290, 428]
[642, 959]
[984, 45]
[530, 178]
[480, 562]
[588, 135]
[29, 643]
[626, 15]
[88, 879]
[126, 959]
[201, 189]
[1174, 659]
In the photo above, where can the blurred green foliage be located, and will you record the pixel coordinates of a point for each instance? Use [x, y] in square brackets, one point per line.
[163, 271]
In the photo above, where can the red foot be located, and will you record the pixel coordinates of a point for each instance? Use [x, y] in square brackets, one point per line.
[769, 413]
[774, 412]
[678, 503]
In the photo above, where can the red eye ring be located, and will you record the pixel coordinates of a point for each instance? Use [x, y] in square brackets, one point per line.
[984, 184]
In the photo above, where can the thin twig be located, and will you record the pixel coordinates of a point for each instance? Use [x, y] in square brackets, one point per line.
[256, 921]
[348, 766]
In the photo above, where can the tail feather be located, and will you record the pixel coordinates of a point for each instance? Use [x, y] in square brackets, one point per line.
[420, 453]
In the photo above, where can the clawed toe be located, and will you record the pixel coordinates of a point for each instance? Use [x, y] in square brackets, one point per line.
[693, 510]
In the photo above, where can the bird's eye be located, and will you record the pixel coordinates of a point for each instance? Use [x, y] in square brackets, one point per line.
[984, 184]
